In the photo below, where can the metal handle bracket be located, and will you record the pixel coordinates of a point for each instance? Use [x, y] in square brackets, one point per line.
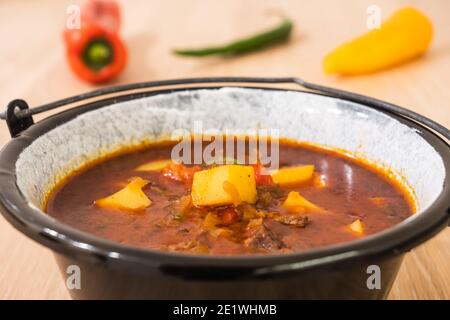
[17, 124]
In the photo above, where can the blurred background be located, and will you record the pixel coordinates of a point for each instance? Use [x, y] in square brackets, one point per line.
[33, 67]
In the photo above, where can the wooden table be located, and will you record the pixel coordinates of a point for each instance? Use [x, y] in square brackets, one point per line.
[33, 68]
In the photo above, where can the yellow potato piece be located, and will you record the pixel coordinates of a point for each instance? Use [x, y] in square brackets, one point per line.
[379, 201]
[154, 165]
[319, 181]
[232, 192]
[357, 227]
[224, 185]
[129, 198]
[293, 175]
[298, 204]
[405, 35]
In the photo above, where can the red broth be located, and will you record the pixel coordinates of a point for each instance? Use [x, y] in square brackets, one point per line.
[353, 191]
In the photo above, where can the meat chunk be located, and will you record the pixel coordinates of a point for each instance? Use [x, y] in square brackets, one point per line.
[261, 237]
[268, 195]
[299, 221]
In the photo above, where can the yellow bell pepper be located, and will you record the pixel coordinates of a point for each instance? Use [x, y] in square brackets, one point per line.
[405, 35]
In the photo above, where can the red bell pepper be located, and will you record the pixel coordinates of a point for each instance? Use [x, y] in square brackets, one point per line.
[95, 51]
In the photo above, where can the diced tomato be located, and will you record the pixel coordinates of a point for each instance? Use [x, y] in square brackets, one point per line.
[261, 178]
[229, 216]
[179, 172]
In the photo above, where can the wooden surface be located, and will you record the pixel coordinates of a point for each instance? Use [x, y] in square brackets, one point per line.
[32, 67]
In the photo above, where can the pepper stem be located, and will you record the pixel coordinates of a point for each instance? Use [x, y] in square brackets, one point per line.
[98, 54]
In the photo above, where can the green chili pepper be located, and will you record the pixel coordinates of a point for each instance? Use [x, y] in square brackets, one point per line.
[258, 41]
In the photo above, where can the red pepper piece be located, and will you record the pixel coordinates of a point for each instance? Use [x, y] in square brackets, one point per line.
[229, 216]
[260, 176]
[179, 172]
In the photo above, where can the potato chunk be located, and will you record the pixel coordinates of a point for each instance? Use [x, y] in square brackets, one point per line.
[224, 185]
[131, 197]
[154, 165]
[293, 175]
[297, 204]
[319, 180]
[379, 201]
[357, 227]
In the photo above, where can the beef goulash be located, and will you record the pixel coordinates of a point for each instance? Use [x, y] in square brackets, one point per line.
[317, 197]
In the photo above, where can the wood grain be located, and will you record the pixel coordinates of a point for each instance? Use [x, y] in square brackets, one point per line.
[33, 68]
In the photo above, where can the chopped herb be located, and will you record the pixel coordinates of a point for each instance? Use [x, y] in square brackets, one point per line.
[178, 216]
